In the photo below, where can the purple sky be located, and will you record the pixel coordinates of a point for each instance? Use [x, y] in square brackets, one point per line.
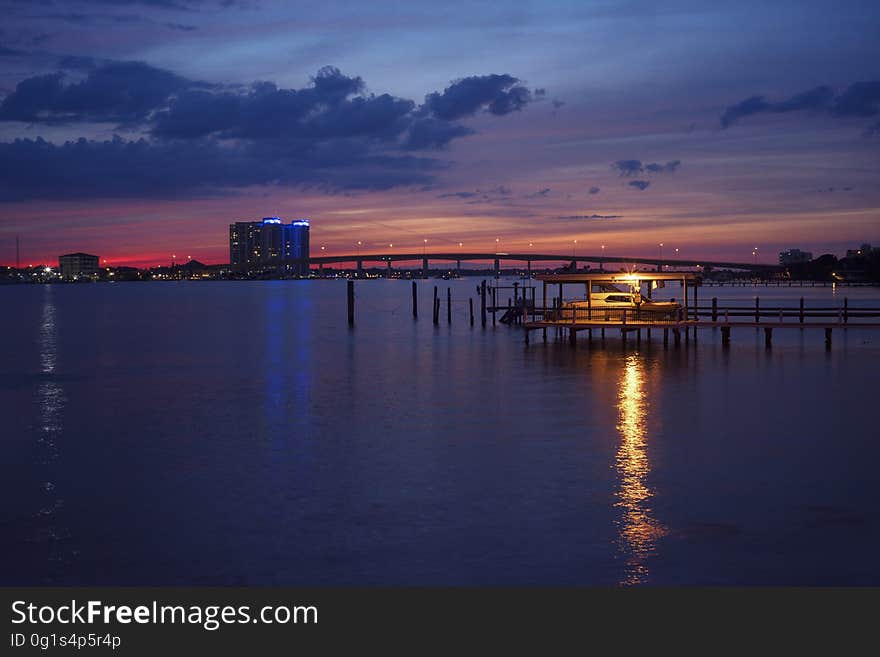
[140, 129]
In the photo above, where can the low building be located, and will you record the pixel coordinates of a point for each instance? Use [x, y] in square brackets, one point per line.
[78, 265]
[863, 251]
[794, 257]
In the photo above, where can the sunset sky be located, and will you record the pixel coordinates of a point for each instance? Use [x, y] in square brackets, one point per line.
[135, 130]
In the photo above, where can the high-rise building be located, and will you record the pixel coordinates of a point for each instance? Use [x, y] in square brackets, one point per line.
[269, 246]
[78, 265]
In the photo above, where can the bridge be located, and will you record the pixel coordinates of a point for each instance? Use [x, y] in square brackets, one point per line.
[497, 258]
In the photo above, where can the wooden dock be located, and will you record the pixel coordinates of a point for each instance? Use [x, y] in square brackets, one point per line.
[689, 317]
[680, 323]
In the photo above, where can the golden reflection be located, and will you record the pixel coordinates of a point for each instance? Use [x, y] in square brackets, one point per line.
[638, 530]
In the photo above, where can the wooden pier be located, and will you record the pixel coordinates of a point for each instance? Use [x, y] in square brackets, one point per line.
[680, 324]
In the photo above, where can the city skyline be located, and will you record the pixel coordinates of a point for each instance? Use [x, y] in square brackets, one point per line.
[712, 130]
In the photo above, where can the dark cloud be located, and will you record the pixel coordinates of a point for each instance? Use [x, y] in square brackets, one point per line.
[814, 99]
[120, 92]
[496, 194]
[861, 99]
[557, 103]
[181, 27]
[628, 167]
[119, 168]
[594, 190]
[578, 217]
[541, 193]
[427, 133]
[203, 138]
[321, 111]
[496, 94]
[831, 190]
[669, 167]
[9, 52]
[464, 195]
[752, 105]
[640, 185]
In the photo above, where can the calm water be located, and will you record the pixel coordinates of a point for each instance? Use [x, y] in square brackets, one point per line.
[239, 433]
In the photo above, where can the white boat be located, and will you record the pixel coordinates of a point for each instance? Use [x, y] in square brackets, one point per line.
[606, 297]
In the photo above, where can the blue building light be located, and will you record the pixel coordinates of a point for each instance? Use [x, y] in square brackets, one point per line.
[300, 222]
[271, 220]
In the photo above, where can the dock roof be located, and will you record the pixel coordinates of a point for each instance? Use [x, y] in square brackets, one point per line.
[619, 276]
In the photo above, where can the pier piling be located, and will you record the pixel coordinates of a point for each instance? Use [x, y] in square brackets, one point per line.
[471, 304]
[415, 301]
[449, 305]
[351, 303]
[483, 303]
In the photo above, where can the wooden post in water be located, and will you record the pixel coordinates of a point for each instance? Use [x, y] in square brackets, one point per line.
[801, 315]
[757, 311]
[544, 308]
[415, 301]
[483, 303]
[725, 336]
[560, 302]
[845, 310]
[471, 304]
[449, 305]
[828, 339]
[436, 307]
[768, 337]
[351, 303]
[494, 301]
[714, 309]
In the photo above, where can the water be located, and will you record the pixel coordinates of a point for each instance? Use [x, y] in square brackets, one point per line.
[239, 433]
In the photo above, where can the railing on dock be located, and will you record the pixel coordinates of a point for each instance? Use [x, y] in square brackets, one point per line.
[842, 313]
[614, 316]
[735, 314]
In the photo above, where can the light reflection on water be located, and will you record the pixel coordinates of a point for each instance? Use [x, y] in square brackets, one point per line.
[51, 400]
[638, 530]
